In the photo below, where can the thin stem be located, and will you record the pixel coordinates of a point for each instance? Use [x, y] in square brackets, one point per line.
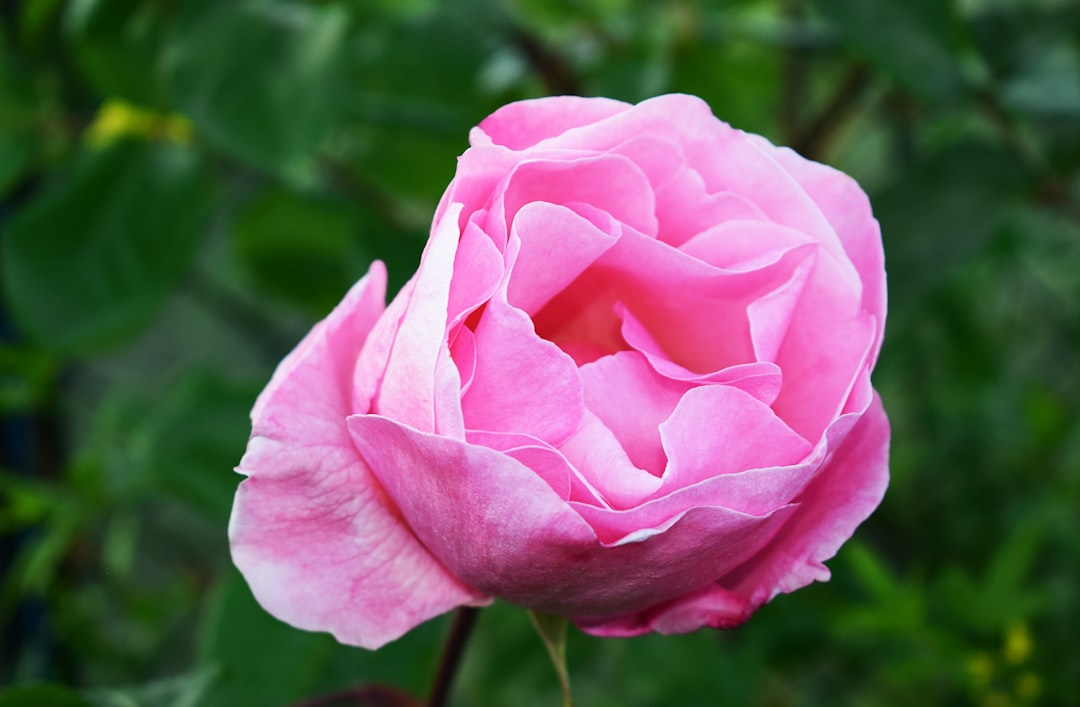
[464, 621]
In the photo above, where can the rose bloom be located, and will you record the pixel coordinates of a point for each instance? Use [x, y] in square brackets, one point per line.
[629, 384]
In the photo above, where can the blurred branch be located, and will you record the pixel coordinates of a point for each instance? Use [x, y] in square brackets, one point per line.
[557, 75]
[464, 620]
[796, 61]
[812, 140]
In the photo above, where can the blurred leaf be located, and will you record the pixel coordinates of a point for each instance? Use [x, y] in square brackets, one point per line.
[912, 40]
[116, 44]
[183, 691]
[261, 79]
[1048, 85]
[307, 249]
[26, 502]
[26, 377]
[740, 80]
[194, 440]
[18, 122]
[92, 259]
[42, 696]
[262, 661]
[412, 131]
[943, 212]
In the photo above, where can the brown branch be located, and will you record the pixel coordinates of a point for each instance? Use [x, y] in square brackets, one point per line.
[557, 75]
[813, 139]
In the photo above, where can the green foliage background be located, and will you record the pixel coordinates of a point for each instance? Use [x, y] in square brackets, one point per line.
[186, 186]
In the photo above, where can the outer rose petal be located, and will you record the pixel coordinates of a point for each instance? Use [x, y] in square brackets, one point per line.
[500, 527]
[847, 491]
[311, 529]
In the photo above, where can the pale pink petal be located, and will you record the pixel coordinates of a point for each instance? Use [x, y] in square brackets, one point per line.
[740, 245]
[408, 386]
[311, 529]
[771, 314]
[521, 383]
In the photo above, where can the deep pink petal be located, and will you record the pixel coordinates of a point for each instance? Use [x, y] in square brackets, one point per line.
[311, 529]
[712, 606]
[695, 311]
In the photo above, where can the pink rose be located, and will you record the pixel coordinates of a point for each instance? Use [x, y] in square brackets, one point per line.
[629, 384]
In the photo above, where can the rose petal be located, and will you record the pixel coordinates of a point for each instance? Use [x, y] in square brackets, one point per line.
[602, 462]
[408, 390]
[501, 528]
[849, 488]
[311, 529]
[847, 208]
[521, 383]
[610, 182]
[713, 606]
[522, 124]
[826, 345]
[695, 311]
[631, 399]
[718, 430]
[556, 244]
[478, 269]
[761, 379]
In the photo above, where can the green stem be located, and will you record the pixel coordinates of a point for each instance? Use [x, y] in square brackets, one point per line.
[552, 630]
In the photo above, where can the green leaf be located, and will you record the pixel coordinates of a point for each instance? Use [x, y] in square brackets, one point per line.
[552, 630]
[183, 691]
[914, 40]
[261, 80]
[195, 438]
[943, 213]
[18, 122]
[305, 249]
[92, 259]
[116, 44]
[42, 696]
